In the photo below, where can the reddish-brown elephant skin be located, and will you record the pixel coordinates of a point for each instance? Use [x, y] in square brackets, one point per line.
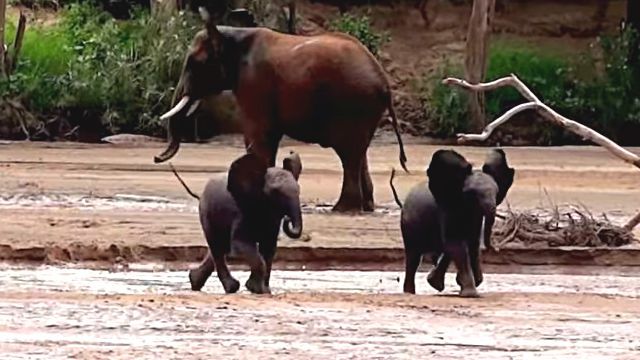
[326, 89]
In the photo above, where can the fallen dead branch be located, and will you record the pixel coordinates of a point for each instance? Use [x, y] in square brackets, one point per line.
[571, 226]
[549, 114]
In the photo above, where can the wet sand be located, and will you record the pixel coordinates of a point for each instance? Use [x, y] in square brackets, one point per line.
[54, 313]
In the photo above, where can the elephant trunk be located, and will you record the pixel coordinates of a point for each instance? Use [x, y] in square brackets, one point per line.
[183, 109]
[489, 220]
[292, 224]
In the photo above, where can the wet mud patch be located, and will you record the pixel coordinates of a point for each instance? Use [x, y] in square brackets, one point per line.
[57, 313]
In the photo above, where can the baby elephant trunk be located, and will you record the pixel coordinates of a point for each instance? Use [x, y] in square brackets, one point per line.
[292, 224]
[489, 220]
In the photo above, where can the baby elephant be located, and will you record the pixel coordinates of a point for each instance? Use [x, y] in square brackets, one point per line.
[444, 216]
[243, 213]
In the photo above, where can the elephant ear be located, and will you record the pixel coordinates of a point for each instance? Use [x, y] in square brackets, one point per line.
[242, 18]
[447, 174]
[497, 167]
[246, 179]
[293, 163]
[210, 25]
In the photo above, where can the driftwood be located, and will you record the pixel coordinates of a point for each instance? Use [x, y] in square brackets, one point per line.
[572, 226]
[475, 64]
[548, 114]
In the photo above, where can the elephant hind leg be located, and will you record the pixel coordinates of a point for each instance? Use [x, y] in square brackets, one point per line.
[412, 262]
[351, 194]
[198, 276]
[367, 187]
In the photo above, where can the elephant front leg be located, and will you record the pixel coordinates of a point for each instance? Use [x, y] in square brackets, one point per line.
[460, 255]
[198, 276]
[256, 281]
[268, 252]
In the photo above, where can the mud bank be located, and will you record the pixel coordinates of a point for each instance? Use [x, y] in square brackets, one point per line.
[307, 257]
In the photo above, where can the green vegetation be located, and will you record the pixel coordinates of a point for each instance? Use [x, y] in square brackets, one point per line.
[606, 100]
[360, 28]
[123, 72]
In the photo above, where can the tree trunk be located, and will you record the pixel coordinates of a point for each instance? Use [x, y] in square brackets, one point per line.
[476, 56]
[3, 8]
[633, 21]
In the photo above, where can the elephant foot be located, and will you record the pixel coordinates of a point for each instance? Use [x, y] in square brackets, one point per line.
[409, 288]
[257, 286]
[347, 206]
[436, 280]
[230, 285]
[196, 279]
[469, 293]
[368, 206]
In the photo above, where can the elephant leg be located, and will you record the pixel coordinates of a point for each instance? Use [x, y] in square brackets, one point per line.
[264, 145]
[267, 251]
[437, 274]
[215, 259]
[198, 276]
[229, 283]
[412, 262]
[256, 281]
[367, 187]
[351, 194]
[460, 255]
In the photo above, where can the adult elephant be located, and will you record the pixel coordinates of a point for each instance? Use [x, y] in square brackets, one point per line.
[326, 89]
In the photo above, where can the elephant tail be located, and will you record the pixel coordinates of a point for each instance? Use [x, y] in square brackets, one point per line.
[393, 189]
[394, 123]
[183, 183]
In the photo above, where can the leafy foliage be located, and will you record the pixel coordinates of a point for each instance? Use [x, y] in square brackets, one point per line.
[604, 99]
[123, 72]
[360, 28]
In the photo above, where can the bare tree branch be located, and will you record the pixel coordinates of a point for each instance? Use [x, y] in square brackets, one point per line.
[633, 222]
[549, 114]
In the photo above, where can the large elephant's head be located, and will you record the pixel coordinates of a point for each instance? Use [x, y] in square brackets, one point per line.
[251, 182]
[208, 69]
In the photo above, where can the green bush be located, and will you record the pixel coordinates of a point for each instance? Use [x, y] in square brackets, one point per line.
[360, 28]
[606, 101]
[124, 72]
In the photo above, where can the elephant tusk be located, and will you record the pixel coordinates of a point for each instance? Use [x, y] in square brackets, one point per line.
[193, 108]
[183, 102]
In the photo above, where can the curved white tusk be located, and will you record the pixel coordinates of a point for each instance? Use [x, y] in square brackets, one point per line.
[176, 108]
[193, 108]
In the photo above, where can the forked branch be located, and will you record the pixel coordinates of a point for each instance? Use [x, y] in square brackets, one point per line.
[548, 113]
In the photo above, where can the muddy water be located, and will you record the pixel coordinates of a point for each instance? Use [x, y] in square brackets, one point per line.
[59, 313]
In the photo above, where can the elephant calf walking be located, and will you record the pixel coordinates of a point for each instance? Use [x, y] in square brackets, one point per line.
[444, 217]
[243, 213]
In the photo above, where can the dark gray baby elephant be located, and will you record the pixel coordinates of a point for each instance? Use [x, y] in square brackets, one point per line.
[243, 213]
[444, 216]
